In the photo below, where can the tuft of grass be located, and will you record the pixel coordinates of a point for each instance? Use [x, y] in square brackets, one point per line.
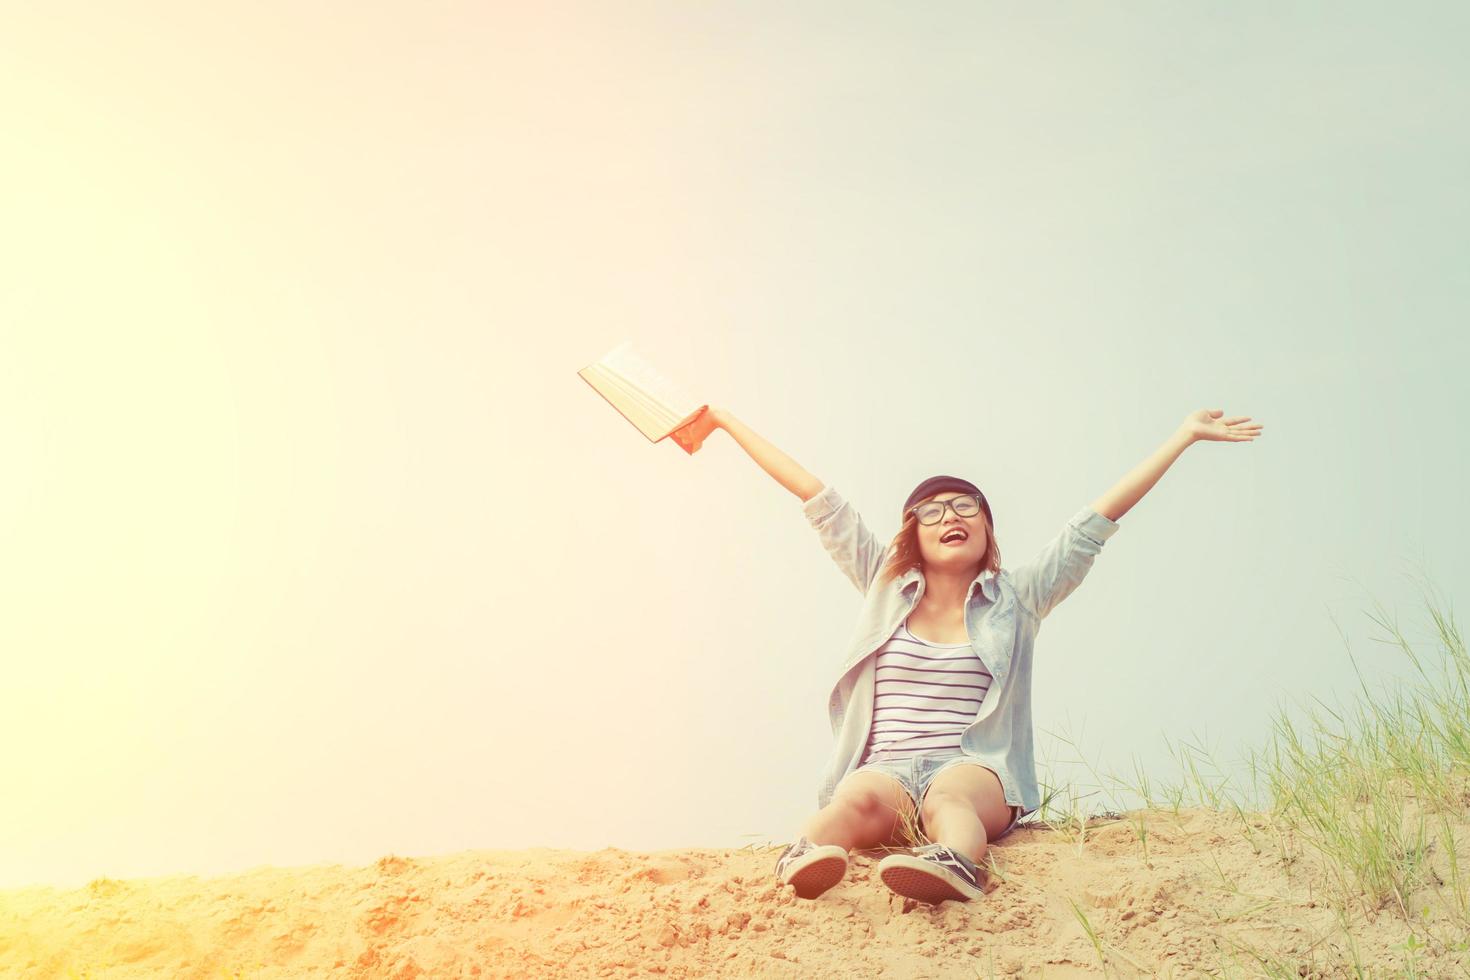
[1356, 783]
[989, 973]
[753, 847]
[913, 834]
[1458, 890]
[1365, 805]
[1097, 945]
[1107, 952]
[1139, 819]
[992, 868]
[1373, 790]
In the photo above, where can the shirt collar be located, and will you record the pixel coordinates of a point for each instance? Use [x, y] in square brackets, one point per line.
[985, 581]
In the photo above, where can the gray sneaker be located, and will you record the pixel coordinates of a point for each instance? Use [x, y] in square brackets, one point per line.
[933, 873]
[811, 868]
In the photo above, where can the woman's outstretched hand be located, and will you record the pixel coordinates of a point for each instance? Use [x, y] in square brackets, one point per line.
[692, 435]
[1207, 425]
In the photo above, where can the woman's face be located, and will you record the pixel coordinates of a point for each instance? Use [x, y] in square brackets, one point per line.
[961, 555]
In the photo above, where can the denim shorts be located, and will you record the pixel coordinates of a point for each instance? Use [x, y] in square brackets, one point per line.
[916, 772]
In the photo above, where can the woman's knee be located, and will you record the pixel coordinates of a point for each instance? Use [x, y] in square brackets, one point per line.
[866, 808]
[877, 806]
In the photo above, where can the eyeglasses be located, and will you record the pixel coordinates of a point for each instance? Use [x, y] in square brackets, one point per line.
[966, 505]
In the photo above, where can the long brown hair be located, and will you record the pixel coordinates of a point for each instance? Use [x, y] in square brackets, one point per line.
[905, 545]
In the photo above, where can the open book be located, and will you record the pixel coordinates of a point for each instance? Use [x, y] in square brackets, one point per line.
[654, 404]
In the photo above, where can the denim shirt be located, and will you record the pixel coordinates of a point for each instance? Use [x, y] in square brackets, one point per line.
[1003, 613]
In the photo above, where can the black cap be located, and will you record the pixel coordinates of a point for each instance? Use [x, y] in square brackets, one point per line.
[935, 484]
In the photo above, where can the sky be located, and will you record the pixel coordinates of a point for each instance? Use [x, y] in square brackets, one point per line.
[316, 548]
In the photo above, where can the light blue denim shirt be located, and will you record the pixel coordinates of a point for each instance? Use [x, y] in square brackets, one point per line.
[1002, 615]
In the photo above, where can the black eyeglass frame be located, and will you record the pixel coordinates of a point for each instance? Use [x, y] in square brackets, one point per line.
[979, 506]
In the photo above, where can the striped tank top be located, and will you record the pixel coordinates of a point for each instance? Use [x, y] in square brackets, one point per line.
[925, 695]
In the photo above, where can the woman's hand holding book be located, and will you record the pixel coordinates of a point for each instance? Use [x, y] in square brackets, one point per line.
[692, 435]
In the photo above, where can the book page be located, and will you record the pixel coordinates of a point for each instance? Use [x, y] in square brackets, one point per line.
[643, 395]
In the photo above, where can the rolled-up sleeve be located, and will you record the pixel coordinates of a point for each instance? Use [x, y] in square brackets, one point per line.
[855, 549]
[1060, 567]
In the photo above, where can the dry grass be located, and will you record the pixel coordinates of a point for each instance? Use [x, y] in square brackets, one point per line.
[1357, 799]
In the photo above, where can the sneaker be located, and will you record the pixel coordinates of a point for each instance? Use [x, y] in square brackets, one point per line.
[933, 873]
[811, 868]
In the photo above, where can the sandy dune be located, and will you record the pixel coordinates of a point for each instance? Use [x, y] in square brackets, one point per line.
[552, 913]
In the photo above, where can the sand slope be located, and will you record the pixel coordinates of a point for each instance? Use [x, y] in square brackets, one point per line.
[551, 913]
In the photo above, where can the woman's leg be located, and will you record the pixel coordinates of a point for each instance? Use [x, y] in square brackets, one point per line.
[964, 807]
[868, 809]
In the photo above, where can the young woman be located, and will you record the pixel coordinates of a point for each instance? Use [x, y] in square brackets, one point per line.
[932, 705]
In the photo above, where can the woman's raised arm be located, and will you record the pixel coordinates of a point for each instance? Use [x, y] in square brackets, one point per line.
[1201, 426]
[785, 470]
[847, 539]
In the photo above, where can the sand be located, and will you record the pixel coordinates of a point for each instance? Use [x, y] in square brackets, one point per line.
[696, 913]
